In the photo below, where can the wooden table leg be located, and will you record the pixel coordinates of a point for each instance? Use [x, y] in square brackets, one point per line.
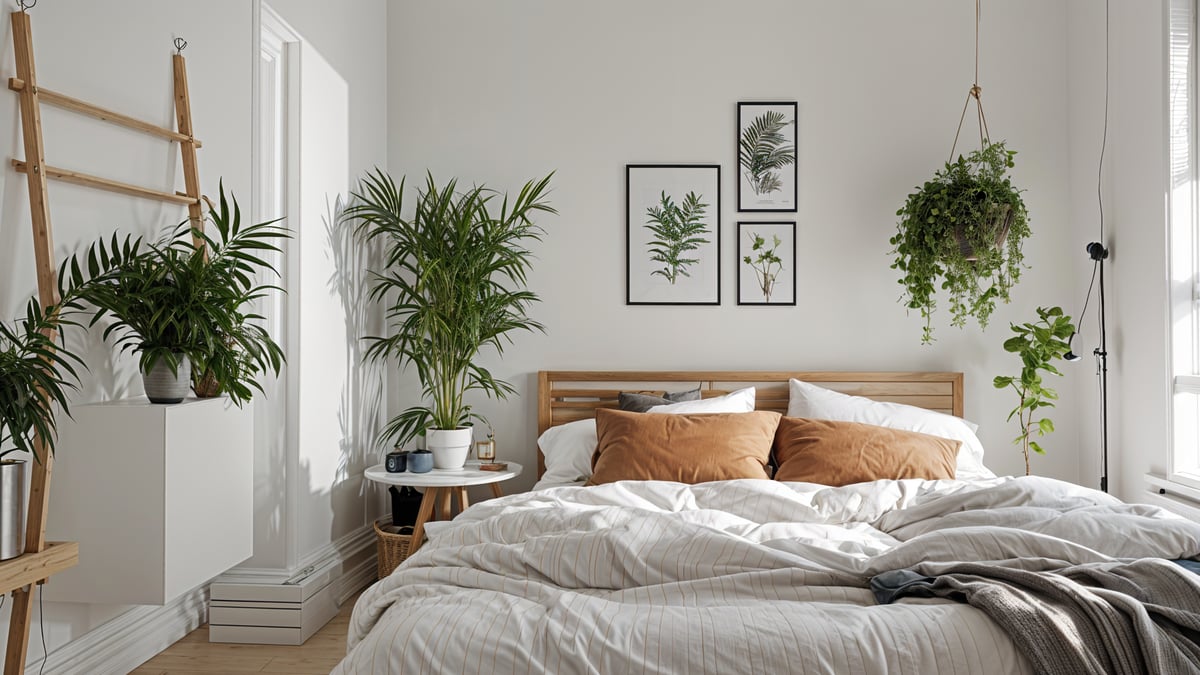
[423, 514]
[496, 491]
[463, 500]
[444, 494]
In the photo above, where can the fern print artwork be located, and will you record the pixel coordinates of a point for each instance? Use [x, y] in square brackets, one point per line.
[672, 234]
[766, 156]
[678, 230]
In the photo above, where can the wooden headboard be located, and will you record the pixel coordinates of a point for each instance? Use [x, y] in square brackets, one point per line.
[567, 396]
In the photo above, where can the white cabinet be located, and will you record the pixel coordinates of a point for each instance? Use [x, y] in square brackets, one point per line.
[159, 497]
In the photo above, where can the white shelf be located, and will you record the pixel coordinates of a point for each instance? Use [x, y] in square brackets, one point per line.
[159, 497]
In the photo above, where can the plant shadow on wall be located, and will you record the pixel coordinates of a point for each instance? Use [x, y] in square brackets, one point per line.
[454, 282]
[962, 231]
[360, 412]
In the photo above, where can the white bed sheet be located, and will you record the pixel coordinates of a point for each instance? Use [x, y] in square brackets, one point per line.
[735, 577]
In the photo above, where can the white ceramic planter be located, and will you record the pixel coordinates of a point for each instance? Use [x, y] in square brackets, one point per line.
[450, 447]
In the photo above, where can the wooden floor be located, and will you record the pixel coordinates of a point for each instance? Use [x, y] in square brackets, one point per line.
[194, 654]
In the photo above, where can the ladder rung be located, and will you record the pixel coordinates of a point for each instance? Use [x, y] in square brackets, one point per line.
[83, 107]
[106, 184]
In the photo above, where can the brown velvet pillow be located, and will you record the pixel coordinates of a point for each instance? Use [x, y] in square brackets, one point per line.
[694, 448]
[841, 453]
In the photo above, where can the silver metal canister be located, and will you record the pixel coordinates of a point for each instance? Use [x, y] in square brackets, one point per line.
[13, 497]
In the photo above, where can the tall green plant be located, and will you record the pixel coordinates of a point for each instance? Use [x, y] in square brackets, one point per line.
[35, 376]
[677, 229]
[170, 299]
[763, 151]
[454, 280]
[950, 235]
[1038, 344]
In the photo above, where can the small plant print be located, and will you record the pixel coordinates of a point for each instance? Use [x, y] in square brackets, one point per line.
[763, 151]
[765, 262]
[678, 229]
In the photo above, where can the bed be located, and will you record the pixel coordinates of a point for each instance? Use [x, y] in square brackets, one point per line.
[767, 576]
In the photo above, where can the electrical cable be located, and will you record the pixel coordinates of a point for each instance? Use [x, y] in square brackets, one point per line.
[42, 623]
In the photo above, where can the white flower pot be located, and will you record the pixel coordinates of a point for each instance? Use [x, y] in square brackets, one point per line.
[450, 447]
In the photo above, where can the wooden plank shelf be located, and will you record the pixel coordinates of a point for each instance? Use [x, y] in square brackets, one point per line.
[33, 568]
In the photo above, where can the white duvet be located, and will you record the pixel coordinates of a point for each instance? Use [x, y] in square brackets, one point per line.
[745, 576]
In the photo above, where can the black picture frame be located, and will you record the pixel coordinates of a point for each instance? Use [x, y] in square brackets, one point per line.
[693, 283]
[749, 279]
[780, 186]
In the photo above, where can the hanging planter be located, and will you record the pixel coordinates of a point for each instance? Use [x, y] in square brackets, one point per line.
[962, 231]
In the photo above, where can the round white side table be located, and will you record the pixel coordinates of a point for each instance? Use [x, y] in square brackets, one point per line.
[440, 486]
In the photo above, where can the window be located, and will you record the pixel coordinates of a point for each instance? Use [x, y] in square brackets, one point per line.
[1184, 246]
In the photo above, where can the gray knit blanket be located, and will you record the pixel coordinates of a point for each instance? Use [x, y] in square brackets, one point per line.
[1141, 616]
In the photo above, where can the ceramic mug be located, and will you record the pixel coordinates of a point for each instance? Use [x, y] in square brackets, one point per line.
[397, 461]
[420, 461]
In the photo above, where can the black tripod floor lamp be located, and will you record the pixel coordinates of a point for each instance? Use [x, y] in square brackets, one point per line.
[1098, 254]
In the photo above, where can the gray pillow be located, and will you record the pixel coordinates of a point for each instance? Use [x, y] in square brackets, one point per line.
[631, 402]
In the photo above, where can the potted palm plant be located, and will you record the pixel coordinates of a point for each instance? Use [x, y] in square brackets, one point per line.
[176, 305]
[35, 376]
[455, 284]
[962, 230]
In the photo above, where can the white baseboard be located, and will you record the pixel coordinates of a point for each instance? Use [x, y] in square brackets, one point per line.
[126, 642]
[129, 640]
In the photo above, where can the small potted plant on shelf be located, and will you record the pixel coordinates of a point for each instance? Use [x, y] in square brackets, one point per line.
[179, 306]
[35, 376]
[454, 283]
[1038, 344]
[962, 231]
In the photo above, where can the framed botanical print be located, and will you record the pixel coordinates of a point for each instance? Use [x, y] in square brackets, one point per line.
[673, 234]
[766, 141]
[766, 265]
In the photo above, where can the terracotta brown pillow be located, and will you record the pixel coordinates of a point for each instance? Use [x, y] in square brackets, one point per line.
[841, 453]
[691, 448]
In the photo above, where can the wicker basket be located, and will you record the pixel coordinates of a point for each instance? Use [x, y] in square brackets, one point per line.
[393, 548]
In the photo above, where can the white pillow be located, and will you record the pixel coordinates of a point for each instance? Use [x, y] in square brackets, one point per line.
[568, 451]
[809, 400]
[740, 401]
[568, 447]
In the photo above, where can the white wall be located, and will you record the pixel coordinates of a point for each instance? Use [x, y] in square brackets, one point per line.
[119, 56]
[504, 92]
[1135, 187]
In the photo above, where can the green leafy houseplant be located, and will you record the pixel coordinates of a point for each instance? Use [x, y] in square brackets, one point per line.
[962, 230]
[171, 300]
[35, 376]
[762, 152]
[677, 229]
[765, 262]
[1038, 344]
[454, 282]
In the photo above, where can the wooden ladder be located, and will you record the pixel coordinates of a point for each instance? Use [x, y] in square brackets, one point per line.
[41, 559]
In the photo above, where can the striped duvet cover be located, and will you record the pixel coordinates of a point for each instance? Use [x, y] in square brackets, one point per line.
[732, 577]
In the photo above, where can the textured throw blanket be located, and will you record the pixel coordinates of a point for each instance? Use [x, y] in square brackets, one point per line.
[1113, 617]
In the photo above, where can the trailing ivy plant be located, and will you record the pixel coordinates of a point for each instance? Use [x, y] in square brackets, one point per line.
[677, 229]
[763, 151]
[1038, 344]
[35, 376]
[962, 231]
[765, 262]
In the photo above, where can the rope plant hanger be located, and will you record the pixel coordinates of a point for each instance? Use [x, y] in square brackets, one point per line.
[962, 230]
